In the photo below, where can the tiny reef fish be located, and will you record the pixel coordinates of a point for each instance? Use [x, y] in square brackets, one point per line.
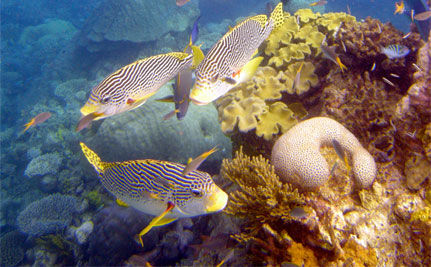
[159, 188]
[388, 82]
[184, 80]
[229, 62]
[399, 7]
[422, 16]
[181, 2]
[329, 53]
[229, 256]
[297, 76]
[319, 3]
[395, 51]
[37, 120]
[131, 86]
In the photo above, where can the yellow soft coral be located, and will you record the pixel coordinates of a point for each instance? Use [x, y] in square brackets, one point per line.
[297, 159]
[307, 78]
[278, 118]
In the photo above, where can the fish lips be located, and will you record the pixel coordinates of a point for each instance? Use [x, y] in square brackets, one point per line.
[217, 200]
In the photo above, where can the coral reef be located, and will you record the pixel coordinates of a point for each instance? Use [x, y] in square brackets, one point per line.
[297, 159]
[135, 21]
[82, 232]
[11, 249]
[47, 215]
[261, 199]
[264, 103]
[419, 93]
[44, 164]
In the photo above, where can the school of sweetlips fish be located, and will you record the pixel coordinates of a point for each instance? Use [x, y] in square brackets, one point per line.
[164, 189]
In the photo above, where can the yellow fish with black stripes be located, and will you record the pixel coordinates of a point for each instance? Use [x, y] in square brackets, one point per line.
[230, 61]
[131, 86]
[164, 189]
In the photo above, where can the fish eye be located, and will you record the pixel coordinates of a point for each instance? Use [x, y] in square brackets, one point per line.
[196, 192]
[105, 99]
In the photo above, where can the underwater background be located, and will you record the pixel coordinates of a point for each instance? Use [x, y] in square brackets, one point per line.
[54, 210]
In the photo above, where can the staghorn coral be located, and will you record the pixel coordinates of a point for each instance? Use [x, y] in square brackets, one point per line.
[297, 159]
[47, 215]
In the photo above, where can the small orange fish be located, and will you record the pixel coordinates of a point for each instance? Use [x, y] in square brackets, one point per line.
[85, 121]
[319, 3]
[182, 2]
[422, 16]
[399, 7]
[37, 120]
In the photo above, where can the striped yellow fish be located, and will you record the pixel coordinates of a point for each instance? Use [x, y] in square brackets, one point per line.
[160, 188]
[130, 86]
[229, 62]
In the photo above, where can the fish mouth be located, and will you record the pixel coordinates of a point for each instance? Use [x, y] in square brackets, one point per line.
[217, 201]
[89, 108]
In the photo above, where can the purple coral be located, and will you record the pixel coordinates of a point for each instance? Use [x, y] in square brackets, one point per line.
[47, 215]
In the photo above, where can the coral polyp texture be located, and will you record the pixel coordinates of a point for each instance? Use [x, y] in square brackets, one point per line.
[297, 159]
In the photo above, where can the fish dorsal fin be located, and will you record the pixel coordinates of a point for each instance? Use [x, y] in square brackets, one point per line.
[94, 159]
[121, 203]
[193, 165]
[262, 19]
[277, 16]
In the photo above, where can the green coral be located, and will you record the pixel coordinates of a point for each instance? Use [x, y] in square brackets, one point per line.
[94, 199]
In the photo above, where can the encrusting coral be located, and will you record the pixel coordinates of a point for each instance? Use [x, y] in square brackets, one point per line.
[297, 159]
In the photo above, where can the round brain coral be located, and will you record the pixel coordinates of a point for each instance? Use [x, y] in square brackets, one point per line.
[297, 159]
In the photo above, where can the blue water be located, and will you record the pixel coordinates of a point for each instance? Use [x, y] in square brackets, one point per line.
[48, 65]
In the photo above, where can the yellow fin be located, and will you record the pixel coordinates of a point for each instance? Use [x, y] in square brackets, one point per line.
[340, 64]
[277, 16]
[193, 165]
[198, 55]
[121, 203]
[28, 125]
[165, 221]
[156, 222]
[249, 69]
[93, 158]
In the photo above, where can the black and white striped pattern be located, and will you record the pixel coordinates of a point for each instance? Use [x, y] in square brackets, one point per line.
[234, 50]
[140, 78]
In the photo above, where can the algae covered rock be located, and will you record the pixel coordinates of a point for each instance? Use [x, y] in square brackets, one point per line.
[143, 134]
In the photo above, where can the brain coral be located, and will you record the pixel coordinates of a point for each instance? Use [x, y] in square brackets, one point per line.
[297, 159]
[45, 164]
[47, 215]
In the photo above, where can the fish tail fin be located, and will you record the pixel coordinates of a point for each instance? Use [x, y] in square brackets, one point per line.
[277, 16]
[93, 158]
[340, 64]
[28, 125]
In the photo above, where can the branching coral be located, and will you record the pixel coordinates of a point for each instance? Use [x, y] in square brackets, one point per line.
[297, 158]
[261, 199]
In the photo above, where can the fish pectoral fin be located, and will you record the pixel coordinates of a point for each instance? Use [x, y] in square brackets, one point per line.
[121, 203]
[169, 99]
[165, 221]
[156, 222]
[249, 69]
